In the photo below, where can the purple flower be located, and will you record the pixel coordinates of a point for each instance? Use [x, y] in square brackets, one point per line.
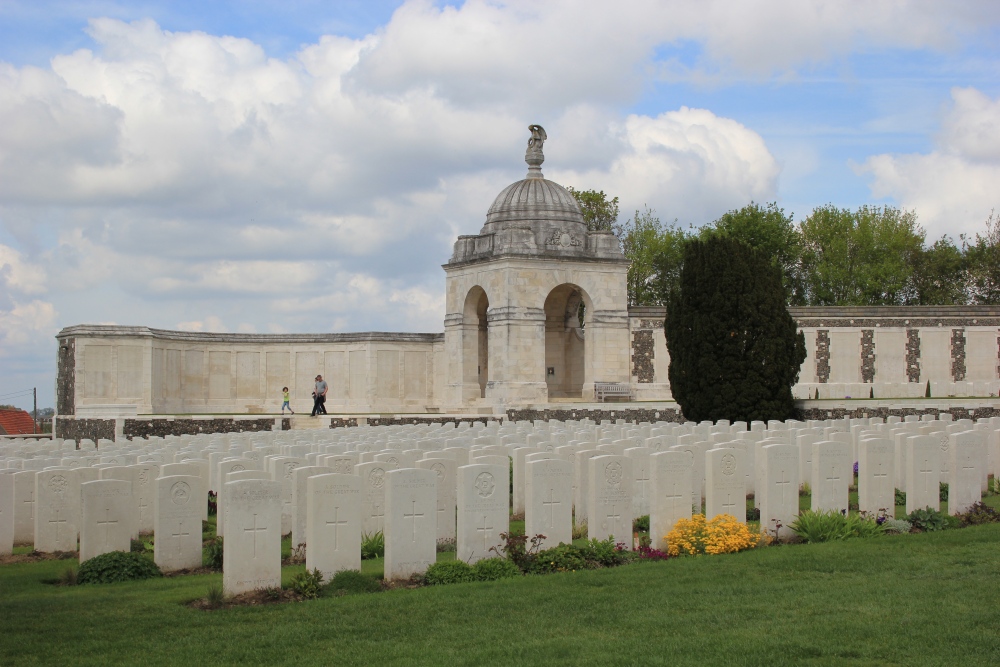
[855, 467]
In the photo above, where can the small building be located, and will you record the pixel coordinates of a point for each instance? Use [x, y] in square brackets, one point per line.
[16, 422]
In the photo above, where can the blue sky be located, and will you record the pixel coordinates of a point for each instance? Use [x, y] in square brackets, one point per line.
[312, 173]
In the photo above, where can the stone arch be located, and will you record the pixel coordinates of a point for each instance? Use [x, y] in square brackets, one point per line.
[568, 309]
[476, 339]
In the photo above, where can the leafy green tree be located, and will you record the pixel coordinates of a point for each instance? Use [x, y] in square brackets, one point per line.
[939, 276]
[766, 228]
[859, 258]
[983, 257]
[654, 251]
[599, 212]
[735, 352]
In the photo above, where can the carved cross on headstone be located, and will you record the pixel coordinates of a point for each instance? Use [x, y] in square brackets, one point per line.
[485, 530]
[413, 515]
[336, 523]
[107, 524]
[881, 478]
[925, 475]
[551, 503]
[142, 506]
[180, 531]
[784, 483]
[30, 502]
[254, 531]
[614, 517]
[674, 495]
[730, 504]
[641, 479]
[57, 521]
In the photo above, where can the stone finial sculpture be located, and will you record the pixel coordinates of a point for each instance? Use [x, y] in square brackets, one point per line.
[533, 155]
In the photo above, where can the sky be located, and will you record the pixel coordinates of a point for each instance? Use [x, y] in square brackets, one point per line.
[304, 166]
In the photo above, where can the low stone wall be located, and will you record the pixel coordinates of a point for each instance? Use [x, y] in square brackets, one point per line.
[398, 421]
[628, 414]
[144, 428]
[861, 412]
[85, 429]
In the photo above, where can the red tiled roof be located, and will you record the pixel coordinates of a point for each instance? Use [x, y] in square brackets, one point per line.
[15, 422]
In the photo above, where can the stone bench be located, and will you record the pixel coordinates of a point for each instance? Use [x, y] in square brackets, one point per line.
[617, 390]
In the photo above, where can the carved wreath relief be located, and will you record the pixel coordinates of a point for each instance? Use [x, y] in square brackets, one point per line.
[376, 477]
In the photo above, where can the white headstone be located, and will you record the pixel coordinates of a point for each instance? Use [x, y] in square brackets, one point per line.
[333, 523]
[610, 504]
[108, 517]
[966, 468]
[670, 494]
[6, 513]
[640, 480]
[725, 483]
[252, 548]
[24, 507]
[447, 501]
[876, 472]
[411, 522]
[923, 470]
[177, 522]
[57, 510]
[832, 474]
[779, 488]
[300, 501]
[483, 510]
[372, 476]
[548, 496]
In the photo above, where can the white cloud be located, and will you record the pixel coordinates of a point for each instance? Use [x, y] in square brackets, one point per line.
[954, 187]
[689, 164]
[26, 327]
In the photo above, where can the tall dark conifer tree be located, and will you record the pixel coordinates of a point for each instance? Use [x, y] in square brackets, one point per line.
[735, 352]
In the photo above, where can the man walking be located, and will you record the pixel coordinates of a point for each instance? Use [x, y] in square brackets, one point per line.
[319, 396]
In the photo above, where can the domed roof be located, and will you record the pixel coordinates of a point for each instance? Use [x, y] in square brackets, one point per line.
[534, 198]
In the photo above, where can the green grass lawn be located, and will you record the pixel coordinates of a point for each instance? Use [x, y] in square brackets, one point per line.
[893, 600]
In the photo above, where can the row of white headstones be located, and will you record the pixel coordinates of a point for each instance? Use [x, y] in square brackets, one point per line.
[423, 484]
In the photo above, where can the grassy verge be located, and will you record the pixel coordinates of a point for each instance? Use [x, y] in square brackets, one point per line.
[906, 600]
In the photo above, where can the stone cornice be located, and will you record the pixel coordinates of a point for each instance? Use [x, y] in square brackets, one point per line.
[113, 331]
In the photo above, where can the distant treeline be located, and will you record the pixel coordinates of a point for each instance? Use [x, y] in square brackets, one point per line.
[869, 256]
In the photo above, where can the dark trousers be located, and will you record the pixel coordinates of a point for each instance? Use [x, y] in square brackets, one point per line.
[319, 405]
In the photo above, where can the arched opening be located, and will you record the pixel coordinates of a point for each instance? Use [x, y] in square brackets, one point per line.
[476, 339]
[566, 315]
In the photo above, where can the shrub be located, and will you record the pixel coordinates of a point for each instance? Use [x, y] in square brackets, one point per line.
[516, 548]
[833, 525]
[605, 553]
[372, 545]
[348, 582]
[563, 558]
[723, 534]
[641, 525]
[213, 553]
[806, 489]
[140, 546]
[943, 492]
[897, 526]
[116, 566]
[450, 572]
[446, 544]
[753, 514]
[820, 526]
[580, 531]
[308, 584]
[494, 569]
[928, 520]
[213, 503]
[646, 552]
[978, 514]
[900, 498]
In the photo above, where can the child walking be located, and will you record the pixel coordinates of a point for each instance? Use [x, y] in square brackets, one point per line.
[286, 398]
